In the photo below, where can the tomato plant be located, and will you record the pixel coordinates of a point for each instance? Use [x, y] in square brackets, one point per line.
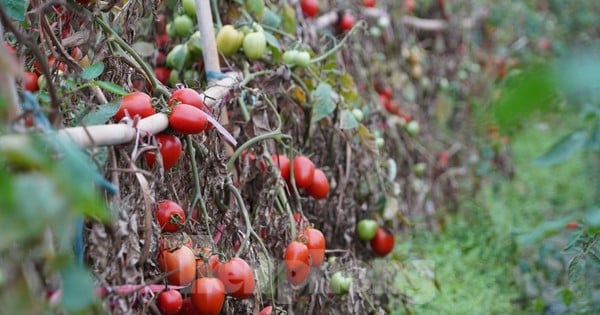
[136, 103]
[346, 22]
[282, 162]
[208, 295]
[187, 119]
[169, 215]
[229, 40]
[169, 302]
[180, 265]
[304, 171]
[30, 81]
[296, 262]
[238, 278]
[310, 8]
[366, 229]
[315, 242]
[169, 147]
[383, 242]
[254, 45]
[188, 96]
[340, 282]
[319, 188]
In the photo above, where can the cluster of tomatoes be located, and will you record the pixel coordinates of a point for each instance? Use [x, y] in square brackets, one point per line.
[306, 175]
[392, 106]
[381, 240]
[209, 278]
[251, 40]
[308, 249]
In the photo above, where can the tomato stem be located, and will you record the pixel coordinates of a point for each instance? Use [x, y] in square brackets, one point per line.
[339, 45]
[197, 188]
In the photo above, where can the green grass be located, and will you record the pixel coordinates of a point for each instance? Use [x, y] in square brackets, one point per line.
[478, 262]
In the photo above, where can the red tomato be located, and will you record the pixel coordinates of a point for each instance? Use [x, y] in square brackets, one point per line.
[387, 91]
[296, 262]
[266, 311]
[283, 164]
[12, 50]
[304, 171]
[169, 215]
[208, 295]
[409, 5]
[443, 158]
[188, 96]
[319, 188]
[169, 302]
[187, 308]
[170, 151]
[30, 81]
[51, 64]
[180, 265]
[572, 225]
[369, 3]
[310, 8]
[238, 278]
[162, 74]
[187, 119]
[209, 267]
[136, 103]
[346, 22]
[316, 246]
[383, 242]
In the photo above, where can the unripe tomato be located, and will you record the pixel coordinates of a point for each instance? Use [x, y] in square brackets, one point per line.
[30, 81]
[229, 40]
[183, 25]
[412, 128]
[189, 7]
[188, 96]
[346, 22]
[238, 278]
[136, 103]
[289, 57]
[178, 57]
[255, 45]
[340, 283]
[169, 215]
[169, 302]
[194, 44]
[296, 262]
[366, 229]
[208, 296]
[358, 114]
[383, 242]
[316, 246]
[304, 171]
[310, 8]
[302, 59]
[169, 147]
[162, 74]
[282, 162]
[187, 119]
[319, 188]
[180, 265]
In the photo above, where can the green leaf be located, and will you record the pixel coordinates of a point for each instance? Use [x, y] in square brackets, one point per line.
[101, 115]
[93, 71]
[111, 87]
[272, 41]
[256, 8]
[15, 9]
[543, 231]
[289, 19]
[323, 103]
[594, 142]
[564, 148]
[78, 288]
[271, 18]
[347, 120]
[592, 218]
[576, 269]
[144, 49]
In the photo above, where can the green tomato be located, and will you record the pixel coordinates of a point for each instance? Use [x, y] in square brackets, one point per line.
[420, 168]
[358, 114]
[289, 57]
[412, 128]
[229, 40]
[183, 25]
[340, 283]
[255, 45]
[302, 59]
[178, 57]
[366, 229]
[189, 7]
[174, 77]
[194, 44]
[379, 142]
[171, 29]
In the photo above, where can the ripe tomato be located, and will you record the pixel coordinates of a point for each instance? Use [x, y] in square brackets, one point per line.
[304, 171]
[316, 246]
[296, 262]
[443, 158]
[169, 302]
[409, 5]
[188, 96]
[346, 22]
[238, 278]
[369, 3]
[169, 215]
[162, 74]
[170, 151]
[366, 229]
[187, 119]
[572, 225]
[392, 107]
[268, 310]
[310, 8]
[51, 64]
[180, 265]
[283, 164]
[229, 40]
[319, 188]
[255, 45]
[30, 81]
[208, 295]
[187, 308]
[136, 103]
[383, 242]
[208, 267]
